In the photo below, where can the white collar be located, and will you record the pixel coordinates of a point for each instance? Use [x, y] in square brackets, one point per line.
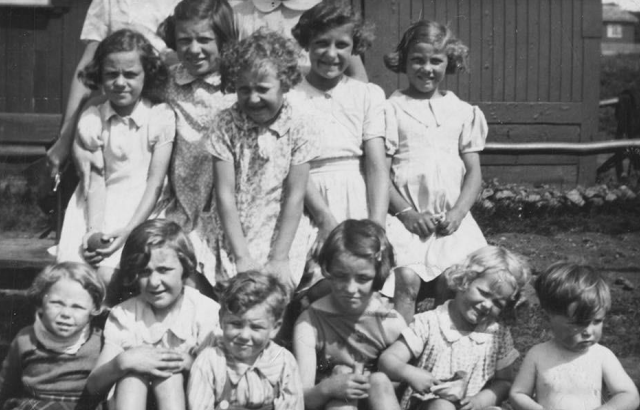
[183, 77]
[267, 6]
[139, 115]
[57, 344]
[481, 334]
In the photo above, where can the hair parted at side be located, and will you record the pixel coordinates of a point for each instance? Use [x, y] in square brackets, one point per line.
[328, 15]
[262, 49]
[155, 72]
[508, 267]
[152, 234]
[218, 12]
[574, 290]
[436, 34]
[252, 288]
[82, 273]
[362, 239]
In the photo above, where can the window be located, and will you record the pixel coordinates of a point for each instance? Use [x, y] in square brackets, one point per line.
[614, 30]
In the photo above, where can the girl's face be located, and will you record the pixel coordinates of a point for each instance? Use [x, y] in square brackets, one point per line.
[247, 334]
[260, 94]
[574, 336]
[197, 47]
[66, 308]
[482, 300]
[351, 281]
[161, 282]
[329, 53]
[426, 68]
[123, 80]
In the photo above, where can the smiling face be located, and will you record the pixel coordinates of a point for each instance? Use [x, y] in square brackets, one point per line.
[246, 335]
[351, 281]
[481, 302]
[197, 47]
[574, 336]
[260, 93]
[66, 309]
[161, 282]
[329, 53]
[123, 80]
[426, 68]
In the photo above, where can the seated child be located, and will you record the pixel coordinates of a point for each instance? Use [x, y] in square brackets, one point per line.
[462, 339]
[48, 363]
[152, 339]
[338, 339]
[244, 368]
[568, 371]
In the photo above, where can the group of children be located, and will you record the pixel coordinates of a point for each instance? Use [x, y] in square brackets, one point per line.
[280, 181]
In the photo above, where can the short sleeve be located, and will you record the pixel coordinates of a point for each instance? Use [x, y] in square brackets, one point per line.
[417, 334]
[95, 26]
[391, 129]
[291, 391]
[507, 354]
[304, 138]
[218, 143]
[162, 125]
[90, 129]
[118, 328]
[474, 132]
[374, 123]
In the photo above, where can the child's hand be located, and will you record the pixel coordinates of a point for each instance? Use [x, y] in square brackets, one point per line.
[151, 361]
[347, 386]
[471, 403]
[421, 380]
[421, 224]
[187, 362]
[117, 238]
[451, 222]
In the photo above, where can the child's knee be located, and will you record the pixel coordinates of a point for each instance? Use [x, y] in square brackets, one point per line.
[169, 392]
[380, 383]
[407, 283]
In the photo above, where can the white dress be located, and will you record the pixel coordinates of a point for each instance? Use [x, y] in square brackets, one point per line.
[428, 171]
[127, 145]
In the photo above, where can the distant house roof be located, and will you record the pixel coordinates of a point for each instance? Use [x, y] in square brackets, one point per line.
[613, 13]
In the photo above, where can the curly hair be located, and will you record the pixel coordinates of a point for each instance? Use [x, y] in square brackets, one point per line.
[577, 291]
[155, 72]
[252, 288]
[328, 15]
[149, 235]
[362, 239]
[218, 12]
[82, 273]
[509, 267]
[263, 48]
[436, 34]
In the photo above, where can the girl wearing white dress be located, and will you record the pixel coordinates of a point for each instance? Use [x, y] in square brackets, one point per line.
[435, 172]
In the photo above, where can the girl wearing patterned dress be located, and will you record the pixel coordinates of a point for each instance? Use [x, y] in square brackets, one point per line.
[198, 30]
[436, 170]
[461, 340]
[262, 146]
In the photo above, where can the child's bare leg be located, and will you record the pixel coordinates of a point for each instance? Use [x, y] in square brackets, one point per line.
[406, 293]
[341, 404]
[382, 395]
[131, 393]
[437, 404]
[170, 392]
[109, 277]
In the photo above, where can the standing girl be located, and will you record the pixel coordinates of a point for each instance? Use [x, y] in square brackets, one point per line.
[462, 339]
[436, 171]
[338, 339]
[152, 339]
[198, 30]
[131, 137]
[262, 148]
[568, 371]
[48, 363]
[349, 179]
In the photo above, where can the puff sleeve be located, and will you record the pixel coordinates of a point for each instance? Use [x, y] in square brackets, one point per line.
[219, 143]
[474, 132]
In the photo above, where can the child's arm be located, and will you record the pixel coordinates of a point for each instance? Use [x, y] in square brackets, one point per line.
[493, 394]
[319, 210]
[471, 185]
[624, 394]
[377, 179]
[418, 223]
[225, 180]
[394, 363]
[521, 393]
[294, 191]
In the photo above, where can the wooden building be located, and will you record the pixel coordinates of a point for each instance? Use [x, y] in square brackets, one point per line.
[534, 72]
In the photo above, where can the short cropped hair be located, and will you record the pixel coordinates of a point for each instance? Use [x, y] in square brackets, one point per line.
[436, 34]
[328, 15]
[218, 12]
[152, 234]
[155, 72]
[252, 288]
[262, 49]
[82, 273]
[574, 290]
[362, 239]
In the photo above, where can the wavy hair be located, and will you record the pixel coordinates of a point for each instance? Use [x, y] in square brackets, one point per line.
[252, 288]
